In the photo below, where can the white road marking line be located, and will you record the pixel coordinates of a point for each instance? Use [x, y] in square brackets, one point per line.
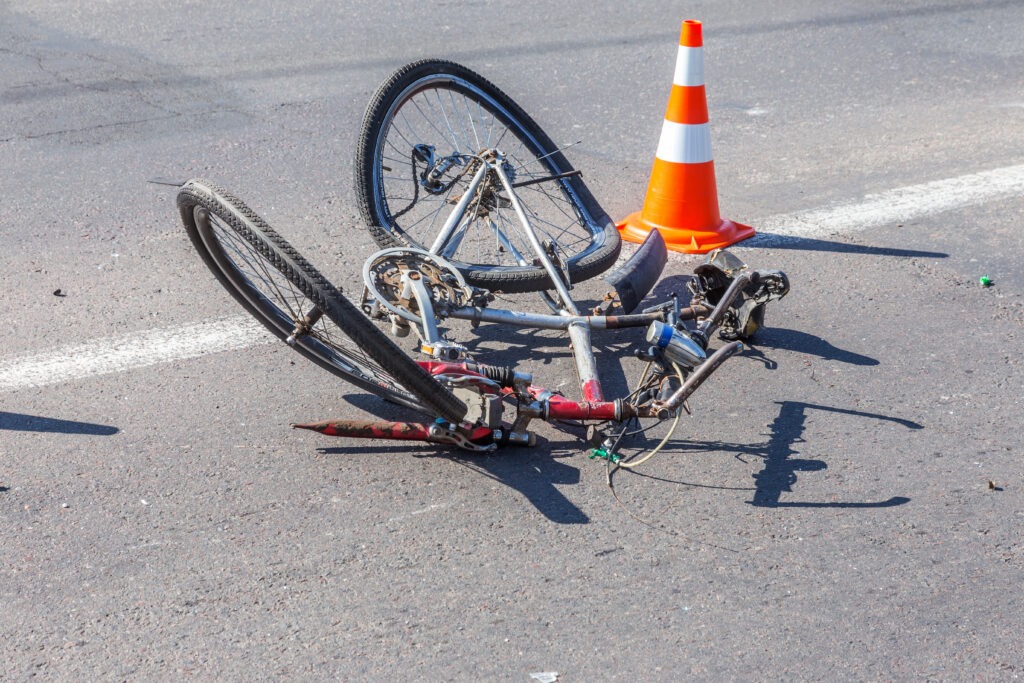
[894, 206]
[141, 349]
[130, 351]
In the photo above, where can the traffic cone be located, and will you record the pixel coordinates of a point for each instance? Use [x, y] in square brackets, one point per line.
[682, 198]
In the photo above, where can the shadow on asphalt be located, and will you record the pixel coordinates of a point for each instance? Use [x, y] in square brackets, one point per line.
[520, 469]
[532, 472]
[34, 423]
[536, 476]
[769, 240]
[779, 471]
[801, 342]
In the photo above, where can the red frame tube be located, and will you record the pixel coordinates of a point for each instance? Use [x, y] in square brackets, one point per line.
[592, 407]
[561, 408]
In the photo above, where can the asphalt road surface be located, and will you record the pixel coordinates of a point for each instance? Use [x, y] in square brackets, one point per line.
[844, 503]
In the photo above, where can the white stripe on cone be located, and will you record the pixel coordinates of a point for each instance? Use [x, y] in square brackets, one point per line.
[685, 143]
[689, 66]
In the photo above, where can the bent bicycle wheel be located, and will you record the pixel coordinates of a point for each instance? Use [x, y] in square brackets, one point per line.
[421, 137]
[294, 301]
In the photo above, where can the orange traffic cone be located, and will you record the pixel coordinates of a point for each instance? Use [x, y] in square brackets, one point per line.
[682, 198]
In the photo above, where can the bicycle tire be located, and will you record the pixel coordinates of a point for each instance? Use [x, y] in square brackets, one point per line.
[421, 103]
[276, 284]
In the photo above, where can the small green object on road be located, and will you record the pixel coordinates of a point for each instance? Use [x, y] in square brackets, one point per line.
[611, 457]
[985, 281]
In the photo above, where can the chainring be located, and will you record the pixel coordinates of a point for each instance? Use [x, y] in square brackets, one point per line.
[384, 272]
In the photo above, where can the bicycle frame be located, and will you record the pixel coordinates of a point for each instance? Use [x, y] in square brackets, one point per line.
[484, 387]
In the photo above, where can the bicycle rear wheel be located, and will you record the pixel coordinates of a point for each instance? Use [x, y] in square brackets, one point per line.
[420, 133]
[294, 301]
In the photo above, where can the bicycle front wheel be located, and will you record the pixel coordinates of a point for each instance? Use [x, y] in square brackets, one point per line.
[419, 146]
[294, 301]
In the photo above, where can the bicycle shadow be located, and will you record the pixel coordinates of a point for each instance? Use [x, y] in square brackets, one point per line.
[537, 477]
[34, 423]
[779, 471]
[783, 339]
[534, 477]
[533, 472]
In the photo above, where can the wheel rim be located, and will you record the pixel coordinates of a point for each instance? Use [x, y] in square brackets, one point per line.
[281, 304]
[453, 117]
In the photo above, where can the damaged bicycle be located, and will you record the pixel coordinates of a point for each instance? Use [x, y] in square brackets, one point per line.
[468, 199]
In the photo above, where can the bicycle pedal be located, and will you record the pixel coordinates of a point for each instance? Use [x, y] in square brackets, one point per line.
[444, 350]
